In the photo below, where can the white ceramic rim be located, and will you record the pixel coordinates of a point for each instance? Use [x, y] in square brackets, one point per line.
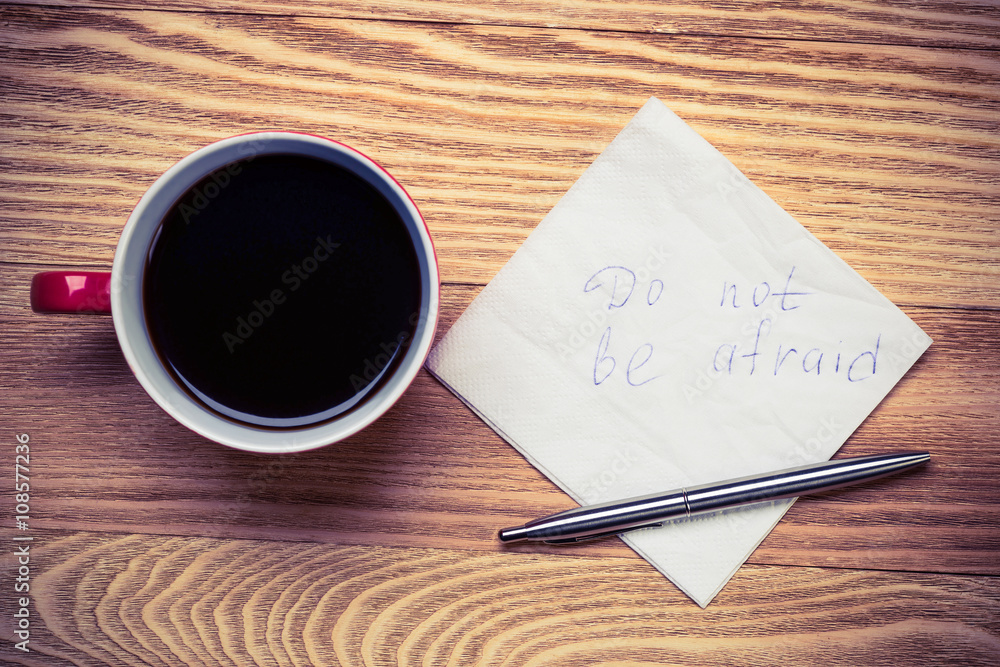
[129, 320]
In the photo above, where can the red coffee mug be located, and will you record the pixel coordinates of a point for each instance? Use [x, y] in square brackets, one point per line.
[120, 293]
[71, 292]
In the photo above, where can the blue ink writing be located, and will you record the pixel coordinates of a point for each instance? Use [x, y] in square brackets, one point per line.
[787, 357]
[654, 292]
[789, 360]
[756, 344]
[635, 374]
[601, 369]
[621, 281]
[874, 357]
[761, 293]
[638, 360]
[617, 284]
[761, 349]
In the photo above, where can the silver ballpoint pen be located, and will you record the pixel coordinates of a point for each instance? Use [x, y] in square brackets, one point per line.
[594, 521]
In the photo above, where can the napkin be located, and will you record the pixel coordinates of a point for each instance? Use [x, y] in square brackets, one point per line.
[667, 324]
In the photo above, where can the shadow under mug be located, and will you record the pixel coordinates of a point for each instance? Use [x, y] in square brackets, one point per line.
[121, 291]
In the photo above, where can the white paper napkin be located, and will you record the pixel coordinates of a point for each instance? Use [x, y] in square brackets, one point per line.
[668, 324]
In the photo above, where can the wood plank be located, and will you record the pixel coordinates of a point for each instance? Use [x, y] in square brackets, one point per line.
[131, 599]
[152, 545]
[106, 458]
[972, 24]
[888, 154]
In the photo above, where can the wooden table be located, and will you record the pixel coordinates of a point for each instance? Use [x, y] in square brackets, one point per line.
[875, 124]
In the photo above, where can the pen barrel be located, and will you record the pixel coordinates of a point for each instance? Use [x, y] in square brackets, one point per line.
[808, 479]
[616, 517]
[598, 520]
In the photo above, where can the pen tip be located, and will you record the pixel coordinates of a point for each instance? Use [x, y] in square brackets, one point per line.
[513, 534]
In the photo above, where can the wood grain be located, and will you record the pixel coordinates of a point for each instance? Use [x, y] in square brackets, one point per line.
[876, 124]
[406, 482]
[888, 154]
[971, 24]
[152, 600]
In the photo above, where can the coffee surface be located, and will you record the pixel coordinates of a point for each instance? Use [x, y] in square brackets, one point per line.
[281, 290]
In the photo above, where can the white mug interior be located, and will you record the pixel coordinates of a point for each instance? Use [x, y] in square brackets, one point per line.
[127, 293]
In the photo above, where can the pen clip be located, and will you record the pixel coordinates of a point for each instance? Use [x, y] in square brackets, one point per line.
[597, 536]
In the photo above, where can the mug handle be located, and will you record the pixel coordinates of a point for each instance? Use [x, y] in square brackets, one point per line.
[71, 292]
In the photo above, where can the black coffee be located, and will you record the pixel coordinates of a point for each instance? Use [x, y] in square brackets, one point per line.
[282, 290]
